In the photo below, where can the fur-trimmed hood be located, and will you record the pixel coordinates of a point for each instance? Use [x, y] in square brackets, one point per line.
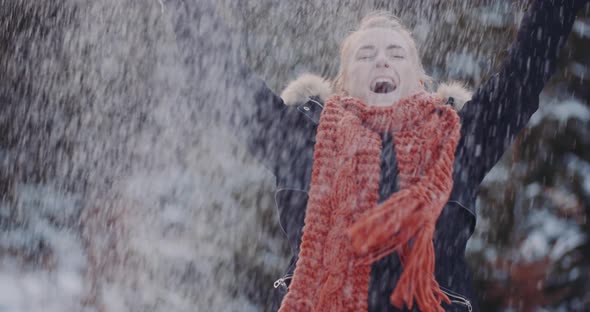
[307, 85]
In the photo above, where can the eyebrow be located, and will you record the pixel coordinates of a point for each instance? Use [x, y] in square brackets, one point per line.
[390, 47]
[367, 47]
[394, 46]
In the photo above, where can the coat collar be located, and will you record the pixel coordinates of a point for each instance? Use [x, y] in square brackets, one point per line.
[308, 92]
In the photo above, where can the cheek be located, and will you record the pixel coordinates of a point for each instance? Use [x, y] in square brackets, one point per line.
[356, 69]
[355, 74]
[410, 75]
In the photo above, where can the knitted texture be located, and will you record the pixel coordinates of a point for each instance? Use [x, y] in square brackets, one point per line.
[346, 230]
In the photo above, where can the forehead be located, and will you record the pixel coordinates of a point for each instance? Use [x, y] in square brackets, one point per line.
[379, 37]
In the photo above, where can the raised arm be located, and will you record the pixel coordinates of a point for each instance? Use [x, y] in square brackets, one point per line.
[502, 106]
[223, 87]
[265, 124]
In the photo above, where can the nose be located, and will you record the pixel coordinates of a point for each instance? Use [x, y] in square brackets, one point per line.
[382, 62]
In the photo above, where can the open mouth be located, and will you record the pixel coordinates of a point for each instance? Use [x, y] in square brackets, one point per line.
[383, 85]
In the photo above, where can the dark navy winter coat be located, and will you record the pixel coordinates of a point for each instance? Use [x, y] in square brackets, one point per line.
[498, 111]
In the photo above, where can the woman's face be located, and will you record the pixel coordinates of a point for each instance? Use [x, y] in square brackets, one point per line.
[380, 69]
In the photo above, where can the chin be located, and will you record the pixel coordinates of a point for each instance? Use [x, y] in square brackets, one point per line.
[383, 99]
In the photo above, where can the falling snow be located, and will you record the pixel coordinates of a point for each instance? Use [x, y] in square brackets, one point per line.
[122, 188]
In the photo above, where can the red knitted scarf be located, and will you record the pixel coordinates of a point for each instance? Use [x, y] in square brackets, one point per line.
[346, 230]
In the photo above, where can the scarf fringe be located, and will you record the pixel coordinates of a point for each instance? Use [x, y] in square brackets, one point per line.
[410, 215]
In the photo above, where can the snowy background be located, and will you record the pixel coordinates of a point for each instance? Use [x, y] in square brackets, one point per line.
[122, 189]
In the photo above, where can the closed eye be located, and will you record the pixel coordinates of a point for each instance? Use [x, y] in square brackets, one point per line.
[366, 52]
[364, 57]
[396, 52]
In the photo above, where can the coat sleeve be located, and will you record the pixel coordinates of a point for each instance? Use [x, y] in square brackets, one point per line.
[265, 125]
[502, 106]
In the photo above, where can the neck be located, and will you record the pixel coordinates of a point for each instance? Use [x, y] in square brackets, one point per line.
[381, 100]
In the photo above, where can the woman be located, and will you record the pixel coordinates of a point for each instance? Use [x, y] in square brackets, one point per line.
[380, 67]
[496, 113]
[386, 173]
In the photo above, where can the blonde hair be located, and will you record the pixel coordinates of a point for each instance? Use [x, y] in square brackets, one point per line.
[379, 19]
